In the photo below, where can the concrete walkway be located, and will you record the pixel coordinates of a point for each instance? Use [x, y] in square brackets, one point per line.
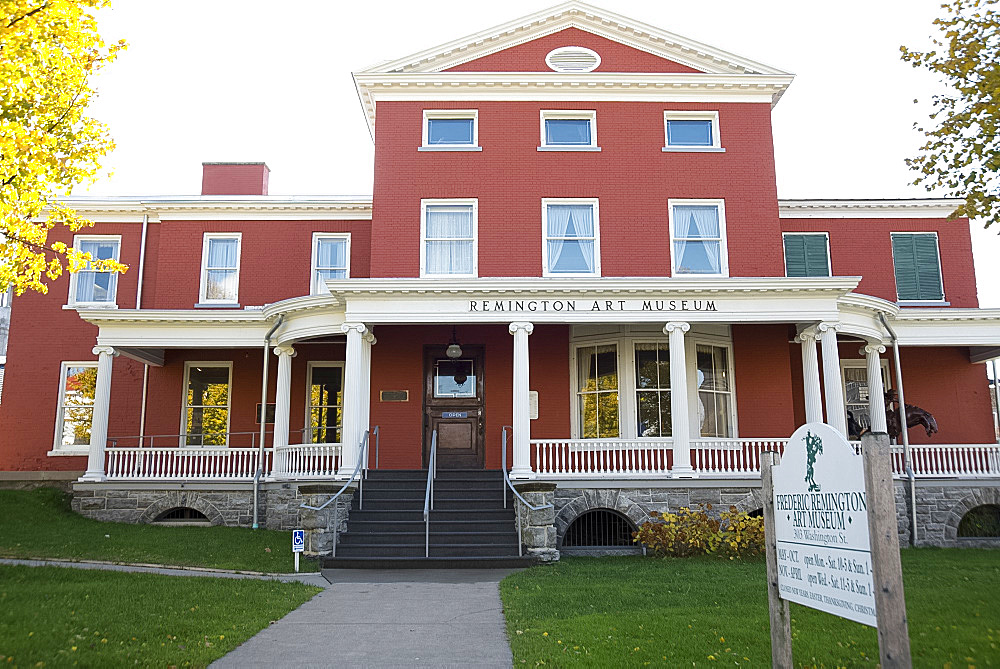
[397, 618]
[312, 578]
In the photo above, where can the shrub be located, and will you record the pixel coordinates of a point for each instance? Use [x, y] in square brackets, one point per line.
[693, 532]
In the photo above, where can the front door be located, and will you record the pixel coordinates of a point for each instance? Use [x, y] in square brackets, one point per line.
[454, 406]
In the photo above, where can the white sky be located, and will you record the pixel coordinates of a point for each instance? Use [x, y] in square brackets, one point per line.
[252, 80]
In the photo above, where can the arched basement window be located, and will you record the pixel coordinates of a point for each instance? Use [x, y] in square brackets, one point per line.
[182, 515]
[599, 528]
[757, 513]
[981, 522]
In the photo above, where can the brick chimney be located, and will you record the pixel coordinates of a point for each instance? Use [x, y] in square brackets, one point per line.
[234, 179]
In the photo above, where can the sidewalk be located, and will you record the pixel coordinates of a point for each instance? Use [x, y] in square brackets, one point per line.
[380, 618]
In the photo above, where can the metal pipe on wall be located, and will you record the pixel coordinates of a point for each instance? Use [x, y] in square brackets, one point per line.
[907, 456]
[996, 398]
[263, 419]
[142, 262]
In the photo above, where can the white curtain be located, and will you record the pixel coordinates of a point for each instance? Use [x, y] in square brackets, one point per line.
[449, 240]
[570, 232]
[222, 253]
[93, 286]
[331, 259]
[222, 278]
[696, 240]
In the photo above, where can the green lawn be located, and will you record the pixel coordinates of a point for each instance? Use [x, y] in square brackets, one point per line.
[616, 612]
[39, 524]
[56, 616]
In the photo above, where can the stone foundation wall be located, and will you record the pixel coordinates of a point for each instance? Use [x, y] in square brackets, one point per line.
[538, 530]
[280, 506]
[940, 508]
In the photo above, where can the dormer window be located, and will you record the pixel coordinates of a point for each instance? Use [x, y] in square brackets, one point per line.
[451, 130]
[568, 130]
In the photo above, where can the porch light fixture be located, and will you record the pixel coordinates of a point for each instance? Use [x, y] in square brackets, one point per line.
[454, 350]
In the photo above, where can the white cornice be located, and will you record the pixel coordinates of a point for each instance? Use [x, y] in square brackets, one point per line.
[555, 86]
[214, 207]
[235, 317]
[915, 208]
[586, 17]
[949, 314]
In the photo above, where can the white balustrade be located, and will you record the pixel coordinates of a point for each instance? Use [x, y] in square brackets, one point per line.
[950, 460]
[194, 464]
[600, 457]
[731, 458]
[306, 461]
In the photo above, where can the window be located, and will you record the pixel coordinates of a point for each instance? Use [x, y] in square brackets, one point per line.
[571, 243]
[455, 378]
[691, 131]
[220, 268]
[449, 245]
[75, 414]
[325, 408]
[451, 130]
[855, 375]
[698, 231]
[91, 286]
[918, 266]
[715, 392]
[597, 391]
[807, 254]
[206, 403]
[652, 389]
[331, 259]
[569, 131]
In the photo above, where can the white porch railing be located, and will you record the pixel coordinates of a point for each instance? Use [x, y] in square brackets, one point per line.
[306, 461]
[184, 463]
[735, 458]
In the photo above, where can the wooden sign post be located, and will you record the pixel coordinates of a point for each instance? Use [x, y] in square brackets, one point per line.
[832, 543]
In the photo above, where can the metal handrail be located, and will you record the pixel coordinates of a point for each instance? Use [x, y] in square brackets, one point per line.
[429, 493]
[375, 432]
[506, 478]
[362, 457]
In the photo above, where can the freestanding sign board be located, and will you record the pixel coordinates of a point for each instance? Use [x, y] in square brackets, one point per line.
[821, 525]
[298, 545]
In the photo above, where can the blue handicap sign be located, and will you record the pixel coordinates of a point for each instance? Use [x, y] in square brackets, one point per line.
[298, 541]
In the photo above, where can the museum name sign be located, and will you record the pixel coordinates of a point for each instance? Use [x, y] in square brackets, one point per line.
[521, 306]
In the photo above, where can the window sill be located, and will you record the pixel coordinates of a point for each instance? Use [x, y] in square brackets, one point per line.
[89, 305]
[692, 275]
[923, 303]
[217, 305]
[569, 148]
[449, 148]
[693, 149]
[567, 275]
[449, 276]
[74, 452]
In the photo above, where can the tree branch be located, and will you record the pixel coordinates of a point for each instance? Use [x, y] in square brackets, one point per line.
[44, 5]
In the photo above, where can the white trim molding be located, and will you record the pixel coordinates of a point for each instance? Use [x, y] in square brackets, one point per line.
[203, 282]
[902, 208]
[450, 114]
[589, 115]
[691, 115]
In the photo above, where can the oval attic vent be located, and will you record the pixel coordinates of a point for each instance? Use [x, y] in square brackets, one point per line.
[573, 59]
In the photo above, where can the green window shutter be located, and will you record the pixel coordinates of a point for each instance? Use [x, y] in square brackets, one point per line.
[918, 270]
[806, 255]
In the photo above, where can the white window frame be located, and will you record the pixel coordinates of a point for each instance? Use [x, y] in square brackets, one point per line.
[851, 363]
[568, 114]
[188, 364]
[203, 285]
[430, 114]
[576, 426]
[315, 287]
[312, 364]
[691, 359]
[458, 202]
[677, 115]
[595, 203]
[73, 279]
[829, 258]
[724, 240]
[57, 446]
[943, 302]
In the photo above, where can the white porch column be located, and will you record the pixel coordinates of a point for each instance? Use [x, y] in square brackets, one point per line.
[810, 377]
[876, 390]
[680, 427]
[352, 427]
[367, 341]
[833, 381]
[99, 421]
[522, 412]
[282, 395]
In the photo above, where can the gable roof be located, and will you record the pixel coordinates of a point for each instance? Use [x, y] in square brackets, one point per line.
[707, 59]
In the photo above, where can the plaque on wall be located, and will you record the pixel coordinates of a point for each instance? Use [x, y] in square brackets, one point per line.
[270, 412]
[394, 395]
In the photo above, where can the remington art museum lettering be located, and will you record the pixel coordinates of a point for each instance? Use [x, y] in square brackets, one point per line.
[515, 306]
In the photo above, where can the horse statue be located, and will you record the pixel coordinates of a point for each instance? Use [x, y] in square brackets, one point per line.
[914, 416]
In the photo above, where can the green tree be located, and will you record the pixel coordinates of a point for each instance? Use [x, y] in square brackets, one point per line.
[49, 51]
[961, 156]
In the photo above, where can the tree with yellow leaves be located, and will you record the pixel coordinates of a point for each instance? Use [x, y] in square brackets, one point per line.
[49, 50]
[962, 153]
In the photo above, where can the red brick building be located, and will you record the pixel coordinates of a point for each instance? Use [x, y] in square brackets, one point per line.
[574, 216]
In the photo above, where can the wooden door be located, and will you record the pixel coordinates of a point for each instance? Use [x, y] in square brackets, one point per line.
[454, 406]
